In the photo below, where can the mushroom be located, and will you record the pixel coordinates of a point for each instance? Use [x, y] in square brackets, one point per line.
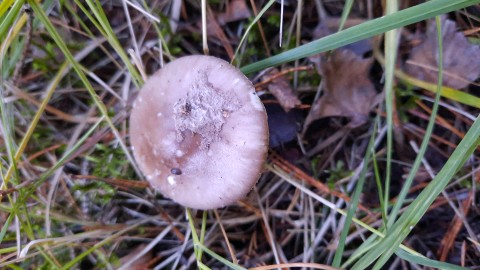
[199, 132]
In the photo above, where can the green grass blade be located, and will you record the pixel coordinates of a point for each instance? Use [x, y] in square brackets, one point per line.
[203, 230]
[8, 250]
[110, 35]
[368, 244]
[419, 206]
[32, 126]
[260, 14]
[417, 209]
[88, 30]
[5, 5]
[78, 69]
[5, 227]
[156, 25]
[65, 157]
[345, 12]
[195, 237]
[289, 179]
[202, 266]
[19, 209]
[418, 160]
[78, 259]
[391, 47]
[446, 92]
[10, 17]
[219, 258]
[89, 16]
[337, 259]
[427, 262]
[378, 181]
[365, 30]
[428, 133]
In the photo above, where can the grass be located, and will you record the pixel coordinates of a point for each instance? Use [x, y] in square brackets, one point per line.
[71, 195]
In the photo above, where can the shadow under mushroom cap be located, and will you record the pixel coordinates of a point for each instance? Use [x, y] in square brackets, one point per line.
[199, 132]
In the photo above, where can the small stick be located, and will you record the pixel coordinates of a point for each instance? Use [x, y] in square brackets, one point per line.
[204, 27]
[230, 249]
[282, 73]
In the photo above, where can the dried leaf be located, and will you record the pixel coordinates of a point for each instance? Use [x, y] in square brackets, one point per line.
[236, 10]
[461, 63]
[280, 88]
[348, 90]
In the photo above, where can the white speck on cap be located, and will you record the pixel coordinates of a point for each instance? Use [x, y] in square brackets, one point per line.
[179, 153]
[171, 180]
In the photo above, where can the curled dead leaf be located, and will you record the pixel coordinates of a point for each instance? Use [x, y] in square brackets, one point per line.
[461, 63]
[348, 91]
[280, 88]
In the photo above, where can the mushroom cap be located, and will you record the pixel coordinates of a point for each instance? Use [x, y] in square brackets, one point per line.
[199, 132]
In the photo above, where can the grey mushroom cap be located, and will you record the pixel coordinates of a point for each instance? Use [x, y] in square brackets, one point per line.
[199, 132]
